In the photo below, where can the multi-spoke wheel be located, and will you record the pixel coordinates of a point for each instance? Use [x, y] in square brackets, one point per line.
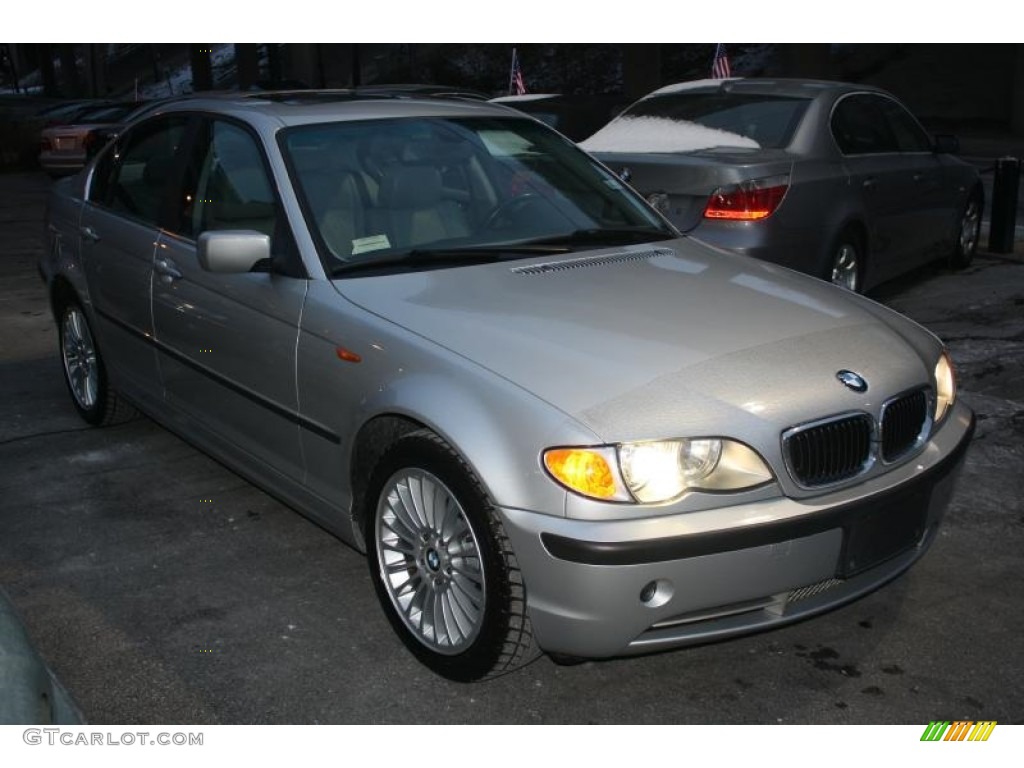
[966, 243]
[84, 372]
[442, 565]
[429, 559]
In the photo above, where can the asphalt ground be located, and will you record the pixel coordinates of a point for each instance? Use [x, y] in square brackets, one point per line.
[162, 588]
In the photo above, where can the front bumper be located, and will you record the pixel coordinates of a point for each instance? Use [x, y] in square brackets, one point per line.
[585, 580]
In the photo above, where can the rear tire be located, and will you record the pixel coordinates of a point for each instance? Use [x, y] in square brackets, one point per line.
[85, 374]
[965, 244]
[847, 261]
[441, 563]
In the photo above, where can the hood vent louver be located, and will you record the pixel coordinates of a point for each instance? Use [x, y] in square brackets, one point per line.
[590, 261]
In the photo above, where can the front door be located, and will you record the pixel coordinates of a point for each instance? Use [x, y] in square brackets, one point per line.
[227, 341]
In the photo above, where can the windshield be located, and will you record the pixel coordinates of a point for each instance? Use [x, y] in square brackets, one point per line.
[689, 121]
[373, 191]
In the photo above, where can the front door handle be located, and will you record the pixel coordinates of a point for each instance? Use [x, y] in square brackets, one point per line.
[90, 234]
[869, 183]
[168, 270]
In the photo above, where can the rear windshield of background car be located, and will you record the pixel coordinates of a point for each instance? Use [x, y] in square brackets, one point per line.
[768, 120]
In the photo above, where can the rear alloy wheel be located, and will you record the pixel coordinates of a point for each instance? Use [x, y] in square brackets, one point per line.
[441, 564]
[847, 266]
[84, 372]
[966, 244]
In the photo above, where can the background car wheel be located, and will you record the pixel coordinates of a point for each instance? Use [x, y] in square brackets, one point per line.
[441, 564]
[968, 233]
[846, 267]
[96, 401]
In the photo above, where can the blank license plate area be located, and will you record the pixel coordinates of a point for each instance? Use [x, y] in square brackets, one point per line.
[894, 526]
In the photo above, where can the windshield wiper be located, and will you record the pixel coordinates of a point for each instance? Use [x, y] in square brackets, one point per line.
[445, 257]
[603, 236]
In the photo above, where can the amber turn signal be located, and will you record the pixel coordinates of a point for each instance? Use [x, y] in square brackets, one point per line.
[584, 470]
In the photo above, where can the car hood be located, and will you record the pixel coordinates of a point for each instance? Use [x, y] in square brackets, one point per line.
[643, 342]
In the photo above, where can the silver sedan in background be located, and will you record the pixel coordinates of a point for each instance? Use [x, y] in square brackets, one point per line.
[836, 180]
[444, 332]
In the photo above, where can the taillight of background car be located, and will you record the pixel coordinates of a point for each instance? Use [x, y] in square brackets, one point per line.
[749, 200]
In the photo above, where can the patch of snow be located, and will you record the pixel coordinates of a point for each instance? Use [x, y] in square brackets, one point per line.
[179, 80]
[659, 134]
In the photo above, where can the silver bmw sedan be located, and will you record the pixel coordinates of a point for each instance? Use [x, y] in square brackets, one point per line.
[446, 334]
[837, 180]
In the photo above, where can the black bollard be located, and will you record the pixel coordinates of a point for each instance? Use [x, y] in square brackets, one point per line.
[1004, 205]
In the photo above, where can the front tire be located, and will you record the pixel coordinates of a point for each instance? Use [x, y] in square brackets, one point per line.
[96, 401]
[441, 564]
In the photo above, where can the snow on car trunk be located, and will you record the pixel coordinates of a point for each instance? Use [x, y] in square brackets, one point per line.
[658, 134]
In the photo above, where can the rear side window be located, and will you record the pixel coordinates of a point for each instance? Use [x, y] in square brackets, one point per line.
[133, 176]
[859, 126]
[910, 136]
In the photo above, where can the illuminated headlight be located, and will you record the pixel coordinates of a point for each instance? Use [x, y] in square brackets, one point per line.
[657, 471]
[945, 386]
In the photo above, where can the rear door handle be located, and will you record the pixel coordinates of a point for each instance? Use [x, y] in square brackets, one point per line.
[168, 270]
[920, 177]
[90, 234]
[869, 183]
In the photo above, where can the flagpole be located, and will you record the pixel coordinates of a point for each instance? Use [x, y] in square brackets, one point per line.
[512, 73]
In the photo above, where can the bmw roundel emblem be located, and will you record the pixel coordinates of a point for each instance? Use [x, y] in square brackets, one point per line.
[852, 380]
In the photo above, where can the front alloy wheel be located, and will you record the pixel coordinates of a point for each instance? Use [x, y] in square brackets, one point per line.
[429, 561]
[441, 563]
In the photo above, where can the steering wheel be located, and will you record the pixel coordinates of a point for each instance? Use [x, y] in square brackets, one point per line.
[509, 208]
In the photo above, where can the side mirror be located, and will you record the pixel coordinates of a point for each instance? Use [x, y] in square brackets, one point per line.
[946, 144]
[231, 251]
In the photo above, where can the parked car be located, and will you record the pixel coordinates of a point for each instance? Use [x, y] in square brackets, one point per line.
[449, 336]
[839, 181]
[574, 116]
[30, 694]
[65, 147]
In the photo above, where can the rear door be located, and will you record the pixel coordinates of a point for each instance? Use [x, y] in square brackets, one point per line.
[228, 341]
[120, 227]
[935, 201]
[885, 179]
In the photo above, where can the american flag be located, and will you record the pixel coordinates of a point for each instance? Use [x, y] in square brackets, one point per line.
[720, 66]
[516, 86]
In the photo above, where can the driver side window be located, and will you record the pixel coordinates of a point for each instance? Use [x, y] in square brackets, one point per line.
[229, 187]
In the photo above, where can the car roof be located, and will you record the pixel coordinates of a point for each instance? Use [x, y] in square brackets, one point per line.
[769, 86]
[311, 106]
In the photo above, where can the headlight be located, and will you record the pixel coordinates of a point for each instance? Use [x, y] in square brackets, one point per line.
[657, 471]
[945, 386]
